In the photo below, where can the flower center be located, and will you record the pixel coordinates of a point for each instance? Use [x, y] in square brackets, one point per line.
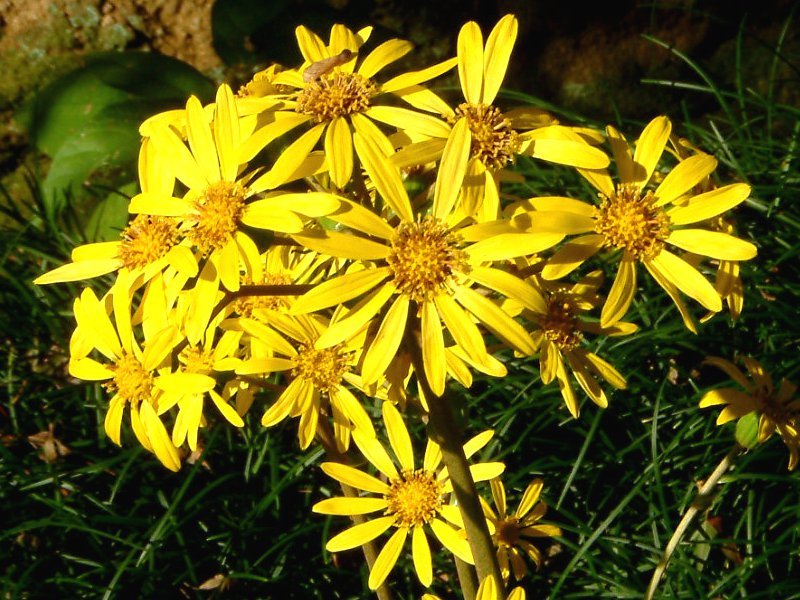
[131, 381]
[146, 239]
[336, 95]
[423, 258]
[248, 306]
[323, 368]
[507, 532]
[196, 360]
[494, 142]
[773, 409]
[631, 222]
[414, 498]
[219, 210]
[560, 324]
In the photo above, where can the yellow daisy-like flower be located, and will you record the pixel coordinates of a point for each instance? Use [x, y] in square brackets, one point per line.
[425, 267]
[319, 377]
[510, 531]
[148, 244]
[219, 201]
[130, 371]
[412, 499]
[336, 89]
[187, 387]
[776, 409]
[637, 220]
[497, 137]
[560, 336]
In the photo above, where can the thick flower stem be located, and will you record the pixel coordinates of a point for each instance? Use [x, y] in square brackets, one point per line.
[700, 502]
[326, 438]
[443, 430]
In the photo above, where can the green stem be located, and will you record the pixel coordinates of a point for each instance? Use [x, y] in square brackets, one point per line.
[443, 430]
[700, 502]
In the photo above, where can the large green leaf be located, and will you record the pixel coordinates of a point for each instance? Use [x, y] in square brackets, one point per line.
[87, 120]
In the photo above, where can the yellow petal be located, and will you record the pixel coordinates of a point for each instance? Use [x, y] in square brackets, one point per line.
[433, 357]
[311, 46]
[387, 341]
[557, 203]
[375, 453]
[342, 245]
[709, 205]
[163, 447]
[387, 558]
[385, 177]
[113, 420]
[339, 289]
[93, 319]
[470, 62]
[621, 293]
[201, 140]
[496, 56]
[284, 122]
[343, 398]
[622, 154]
[412, 78]
[649, 148]
[398, 436]
[359, 535]
[461, 327]
[385, 54]
[419, 153]
[451, 169]
[226, 133]
[358, 217]
[77, 271]
[421, 553]
[355, 478]
[496, 320]
[409, 120]
[89, 369]
[287, 400]
[356, 319]
[226, 410]
[339, 151]
[510, 286]
[687, 279]
[367, 129]
[157, 204]
[451, 540]
[686, 174]
[289, 160]
[182, 161]
[349, 506]
[570, 256]
[511, 245]
[607, 371]
[554, 221]
[567, 152]
[714, 244]
[673, 293]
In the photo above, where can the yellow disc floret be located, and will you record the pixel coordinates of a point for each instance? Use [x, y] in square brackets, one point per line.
[336, 95]
[630, 221]
[146, 239]
[494, 142]
[218, 211]
[323, 368]
[414, 498]
[423, 258]
[131, 381]
[196, 360]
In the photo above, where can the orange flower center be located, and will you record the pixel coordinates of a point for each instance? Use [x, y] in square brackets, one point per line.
[323, 368]
[414, 498]
[219, 211]
[146, 239]
[494, 142]
[632, 222]
[131, 382]
[336, 95]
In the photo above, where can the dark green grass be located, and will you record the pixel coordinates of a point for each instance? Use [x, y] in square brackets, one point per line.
[105, 522]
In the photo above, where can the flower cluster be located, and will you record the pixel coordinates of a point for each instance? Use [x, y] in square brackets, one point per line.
[279, 259]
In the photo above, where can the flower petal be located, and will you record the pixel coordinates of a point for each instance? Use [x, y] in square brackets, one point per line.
[496, 56]
[621, 293]
[384, 347]
[433, 357]
[387, 558]
[687, 279]
[452, 169]
[355, 478]
[421, 553]
[349, 506]
[359, 535]
[709, 205]
[714, 244]
[686, 174]
[398, 436]
[470, 62]
[339, 289]
[649, 148]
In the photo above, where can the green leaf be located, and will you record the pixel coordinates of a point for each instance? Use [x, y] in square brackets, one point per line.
[87, 121]
[111, 215]
[747, 431]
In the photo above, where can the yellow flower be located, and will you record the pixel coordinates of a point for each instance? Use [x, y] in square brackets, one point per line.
[338, 97]
[219, 200]
[497, 137]
[560, 335]
[318, 377]
[130, 371]
[637, 221]
[412, 499]
[426, 267]
[510, 531]
[776, 409]
[200, 366]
